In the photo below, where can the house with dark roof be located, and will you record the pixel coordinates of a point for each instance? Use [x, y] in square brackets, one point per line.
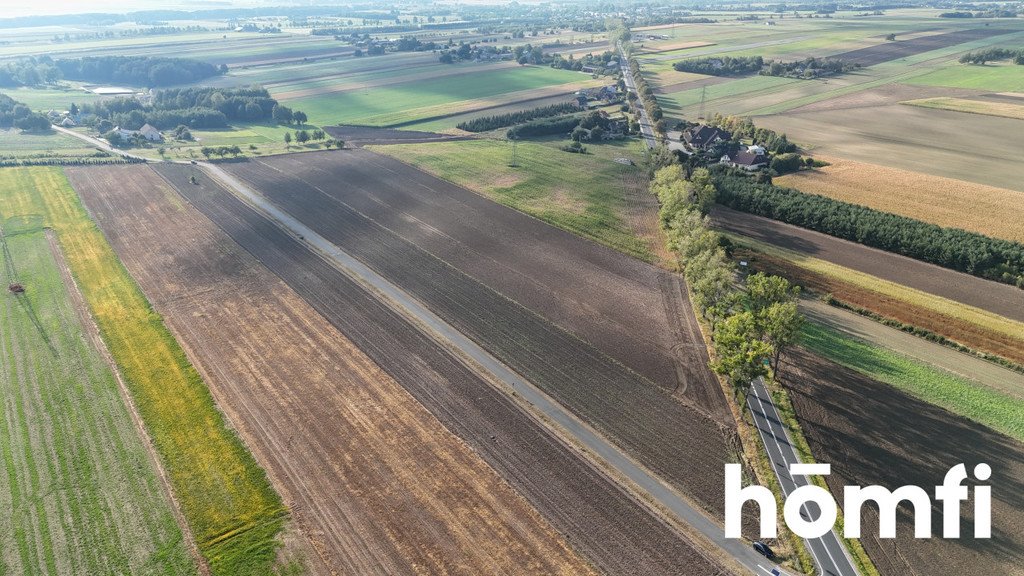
[752, 158]
[703, 136]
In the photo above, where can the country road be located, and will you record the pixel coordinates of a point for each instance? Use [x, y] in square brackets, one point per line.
[646, 128]
[829, 553]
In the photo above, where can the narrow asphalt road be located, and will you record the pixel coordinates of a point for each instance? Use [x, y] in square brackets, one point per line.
[828, 551]
[646, 128]
[438, 329]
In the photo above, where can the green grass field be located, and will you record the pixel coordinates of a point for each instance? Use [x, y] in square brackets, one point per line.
[232, 510]
[580, 193]
[80, 494]
[961, 396]
[390, 105]
[1003, 77]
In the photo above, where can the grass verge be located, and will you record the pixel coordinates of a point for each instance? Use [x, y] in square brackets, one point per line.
[225, 496]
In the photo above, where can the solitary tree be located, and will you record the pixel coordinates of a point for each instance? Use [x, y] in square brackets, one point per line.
[287, 139]
[300, 117]
[302, 136]
[740, 353]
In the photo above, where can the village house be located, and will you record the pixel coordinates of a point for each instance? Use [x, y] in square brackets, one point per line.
[752, 158]
[703, 136]
[148, 132]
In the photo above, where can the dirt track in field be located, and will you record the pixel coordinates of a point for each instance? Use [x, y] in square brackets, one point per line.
[600, 521]
[997, 298]
[375, 482]
[425, 235]
[872, 433]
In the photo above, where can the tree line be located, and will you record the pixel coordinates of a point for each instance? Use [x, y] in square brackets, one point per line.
[645, 93]
[561, 125]
[14, 114]
[721, 65]
[751, 327]
[993, 55]
[192, 107]
[485, 123]
[744, 65]
[809, 68]
[149, 71]
[994, 259]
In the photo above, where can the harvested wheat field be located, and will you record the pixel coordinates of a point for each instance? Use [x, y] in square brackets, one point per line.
[374, 482]
[988, 210]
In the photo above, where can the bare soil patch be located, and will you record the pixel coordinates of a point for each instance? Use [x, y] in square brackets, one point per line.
[627, 309]
[510, 282]
[374, 481]
[607, 526]
[894, 50]
[872, 433]
[1001, 299]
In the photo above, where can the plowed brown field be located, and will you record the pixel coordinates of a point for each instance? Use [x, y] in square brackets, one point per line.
[872, 433]
[429, 240]
[373, 480]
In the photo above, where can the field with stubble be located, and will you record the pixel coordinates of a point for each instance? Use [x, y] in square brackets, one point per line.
[995, 212]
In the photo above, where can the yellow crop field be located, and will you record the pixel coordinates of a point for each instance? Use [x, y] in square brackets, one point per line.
[987, 210]
[230, 507]
[987, 107]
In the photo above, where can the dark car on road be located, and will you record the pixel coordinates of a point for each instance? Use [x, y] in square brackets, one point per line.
[764, 550]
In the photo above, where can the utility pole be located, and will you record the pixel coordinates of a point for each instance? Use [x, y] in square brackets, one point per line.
[513, 164]
[703, 95]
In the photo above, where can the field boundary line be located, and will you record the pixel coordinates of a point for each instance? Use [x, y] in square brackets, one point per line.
[91, 329]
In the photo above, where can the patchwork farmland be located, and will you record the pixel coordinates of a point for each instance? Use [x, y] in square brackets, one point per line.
[600, 520]
[81, 491]
[302, 393]
[421, 290]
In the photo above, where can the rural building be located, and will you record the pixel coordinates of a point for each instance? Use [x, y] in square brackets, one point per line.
[150, 133]
[702, 137]
[752, 158]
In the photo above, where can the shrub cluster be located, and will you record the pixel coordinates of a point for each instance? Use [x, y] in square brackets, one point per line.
[17, 115]
[999, 260]
[561, 125]
[721, 65]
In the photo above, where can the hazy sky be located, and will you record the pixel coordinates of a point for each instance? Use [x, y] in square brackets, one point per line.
[12, 8]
